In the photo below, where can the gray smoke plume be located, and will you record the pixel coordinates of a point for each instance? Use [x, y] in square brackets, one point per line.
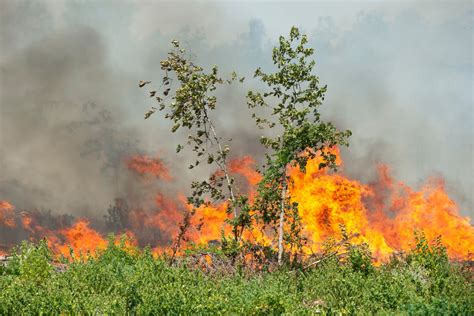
[63, 127]
[399, 77]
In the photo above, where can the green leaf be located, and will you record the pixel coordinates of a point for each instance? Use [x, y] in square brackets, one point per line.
[175, 127]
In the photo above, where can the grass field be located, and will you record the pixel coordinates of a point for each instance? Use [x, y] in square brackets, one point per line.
[120, 281]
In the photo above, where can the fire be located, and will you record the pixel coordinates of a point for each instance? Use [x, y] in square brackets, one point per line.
[245, 167]
[7, 215]
[327, 201]
[431, 210]
[209, 221]
[384, 214]
[27, 221]
[145, 165]
[80, 238]
[166, 218]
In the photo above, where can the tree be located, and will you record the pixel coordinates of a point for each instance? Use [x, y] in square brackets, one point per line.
[189, 105]
[116, 218]
[294, 98]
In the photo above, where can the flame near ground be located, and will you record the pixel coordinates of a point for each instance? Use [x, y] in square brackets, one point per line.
[384, 214]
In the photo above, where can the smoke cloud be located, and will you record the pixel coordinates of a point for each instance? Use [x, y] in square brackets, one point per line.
[399, 77]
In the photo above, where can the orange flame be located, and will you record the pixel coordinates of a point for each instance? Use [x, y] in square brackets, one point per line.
[145, 165]
[384, 214]
[7, 215]
[80, 238]
[329, 200]
[245, 167]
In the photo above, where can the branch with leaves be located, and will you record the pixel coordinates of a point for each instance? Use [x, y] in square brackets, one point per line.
[189, 105]
[293, 99]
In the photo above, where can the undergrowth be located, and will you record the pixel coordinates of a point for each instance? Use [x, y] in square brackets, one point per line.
[121, 281]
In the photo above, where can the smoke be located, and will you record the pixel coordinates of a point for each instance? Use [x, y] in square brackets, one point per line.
[71, 111]
[404, 88]
[63, 130]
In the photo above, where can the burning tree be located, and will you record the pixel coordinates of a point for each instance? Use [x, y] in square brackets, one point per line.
[294, 99]
[297, 94]
[189, 106]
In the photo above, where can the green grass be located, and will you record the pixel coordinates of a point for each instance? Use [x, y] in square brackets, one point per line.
[117, 282]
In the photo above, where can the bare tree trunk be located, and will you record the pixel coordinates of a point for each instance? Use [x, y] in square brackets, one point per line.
[223, 167]
[181, 235]
[282, 222]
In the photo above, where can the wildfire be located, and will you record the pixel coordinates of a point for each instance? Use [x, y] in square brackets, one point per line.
[7, 215]
[82, 240]
[145, 165]
[383, 214]
[245, 167]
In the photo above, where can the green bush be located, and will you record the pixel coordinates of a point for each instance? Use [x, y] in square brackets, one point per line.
[30, 262]
[124, 281]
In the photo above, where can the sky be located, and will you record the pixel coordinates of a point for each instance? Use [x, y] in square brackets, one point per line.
[399, 75]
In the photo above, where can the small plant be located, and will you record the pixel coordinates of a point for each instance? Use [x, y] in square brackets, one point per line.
[430, 256]
[359, 256]
[31, 262]
[360, 259]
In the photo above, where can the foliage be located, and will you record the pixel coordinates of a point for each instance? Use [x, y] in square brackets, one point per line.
[429, 256]
[359, 255]
[121, 281]
[189, 105]
[297, 95]
[294, 100]
[30, 262]
[221, 279]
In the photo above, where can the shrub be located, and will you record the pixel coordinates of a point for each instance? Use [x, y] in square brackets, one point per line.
[121, 280]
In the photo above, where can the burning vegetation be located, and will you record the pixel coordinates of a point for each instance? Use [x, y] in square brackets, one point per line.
[298, 200]
[340, 218]
[383, 214]
[298, 211]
